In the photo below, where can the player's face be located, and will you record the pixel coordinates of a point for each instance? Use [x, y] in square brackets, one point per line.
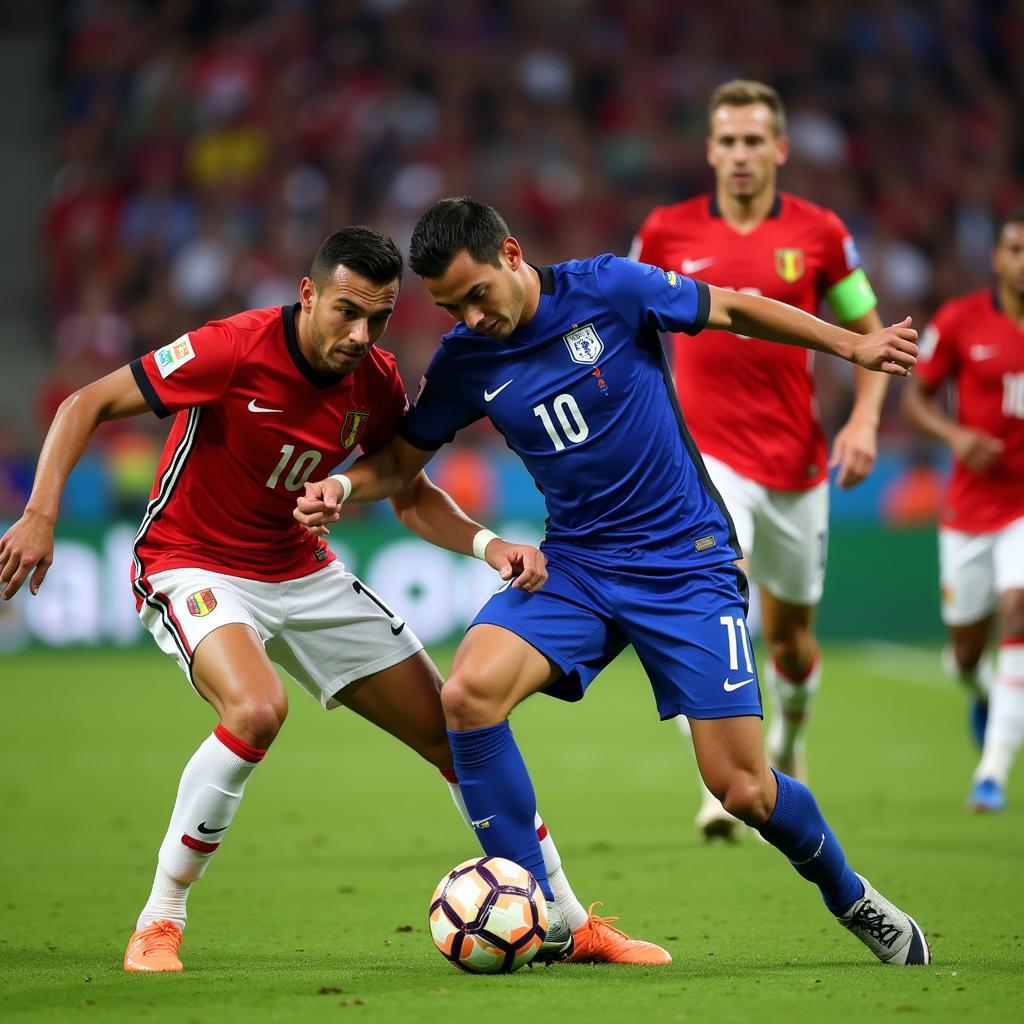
[744, 149]
[486, 298]
[346, 318]
[1008, 258]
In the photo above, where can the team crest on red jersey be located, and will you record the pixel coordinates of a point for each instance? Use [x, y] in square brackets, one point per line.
[352, 429]
[201, 603]
[789, 264]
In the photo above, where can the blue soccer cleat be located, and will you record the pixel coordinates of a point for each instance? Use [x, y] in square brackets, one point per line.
[977, 719]
[987, 797]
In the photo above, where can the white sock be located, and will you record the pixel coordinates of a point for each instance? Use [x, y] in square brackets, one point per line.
[1004, 732]
[791, 700]
[560, 888]
[208, 795]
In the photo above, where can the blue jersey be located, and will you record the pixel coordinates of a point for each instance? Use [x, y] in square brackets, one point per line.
[582, 394]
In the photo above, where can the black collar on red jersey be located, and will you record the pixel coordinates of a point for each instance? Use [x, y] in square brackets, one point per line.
[773, 212]
[302, 364]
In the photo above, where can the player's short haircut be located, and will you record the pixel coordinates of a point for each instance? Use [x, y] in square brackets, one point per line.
[1014, 217]
[362, 250]
[452, 226]
[742, 92]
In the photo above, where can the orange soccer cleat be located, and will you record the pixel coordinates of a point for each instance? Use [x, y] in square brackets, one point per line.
[597, 942]
[154, 948]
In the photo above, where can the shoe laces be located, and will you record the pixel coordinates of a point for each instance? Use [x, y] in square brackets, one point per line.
[875, 923]
[160, 935]
[597, 923]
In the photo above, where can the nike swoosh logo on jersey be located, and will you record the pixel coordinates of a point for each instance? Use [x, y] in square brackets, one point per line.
[489, 395]
[729, 687]
[253, 407]
[693, 266]
[979, 352]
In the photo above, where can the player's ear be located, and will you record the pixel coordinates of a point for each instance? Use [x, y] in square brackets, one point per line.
[782, 150]
[307, 289]
[512, 252]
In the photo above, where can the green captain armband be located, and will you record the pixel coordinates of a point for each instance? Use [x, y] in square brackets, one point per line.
[852, 297]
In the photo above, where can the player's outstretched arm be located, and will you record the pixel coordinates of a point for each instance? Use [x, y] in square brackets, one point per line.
[27, 547]
[370, 478]
[433, 515]
[890, 350]
[977, 450]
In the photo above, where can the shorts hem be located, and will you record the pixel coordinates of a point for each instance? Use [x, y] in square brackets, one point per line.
[668, 711]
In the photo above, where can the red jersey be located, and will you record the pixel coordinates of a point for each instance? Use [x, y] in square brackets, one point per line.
[974, 344]
[254, 422]
[747, 402]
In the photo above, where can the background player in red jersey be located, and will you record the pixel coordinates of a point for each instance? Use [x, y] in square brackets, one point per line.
[977, 343]
[760, 435]
[227, 581]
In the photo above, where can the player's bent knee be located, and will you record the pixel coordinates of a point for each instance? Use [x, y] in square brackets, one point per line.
[468, 704]
[257, 721]
[747, 798]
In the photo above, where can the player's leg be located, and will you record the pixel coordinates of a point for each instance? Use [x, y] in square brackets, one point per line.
[789, 566]
[211, 627]
[967, 572]
[783, 810]
[1005, 732]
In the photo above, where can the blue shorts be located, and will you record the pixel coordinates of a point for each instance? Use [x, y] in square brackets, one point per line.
[685, 619]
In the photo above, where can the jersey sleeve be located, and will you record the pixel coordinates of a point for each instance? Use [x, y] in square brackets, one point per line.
[937, 354]
[194, 370]
[389, 407]
[646, 296]
[846, 286]
[439, 410]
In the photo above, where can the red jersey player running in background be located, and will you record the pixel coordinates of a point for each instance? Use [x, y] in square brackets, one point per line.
[977, 343]
[759, 433]
[227, 581]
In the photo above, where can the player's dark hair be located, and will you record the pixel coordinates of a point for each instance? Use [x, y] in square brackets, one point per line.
[452, 226]
[362, 250]
[1013, 217]
[742, 92]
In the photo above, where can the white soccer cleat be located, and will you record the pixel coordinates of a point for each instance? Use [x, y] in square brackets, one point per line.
[893, 936]
[713, 821]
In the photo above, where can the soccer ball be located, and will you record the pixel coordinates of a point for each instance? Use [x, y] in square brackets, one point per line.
[488, 916]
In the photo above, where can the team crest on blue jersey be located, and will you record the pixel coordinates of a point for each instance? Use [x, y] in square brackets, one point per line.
[352, 429]
[584, 343]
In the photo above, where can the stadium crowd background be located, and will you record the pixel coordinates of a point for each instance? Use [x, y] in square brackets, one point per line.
[201, 149]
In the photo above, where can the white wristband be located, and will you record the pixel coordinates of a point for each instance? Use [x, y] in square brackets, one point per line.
[480, 542]
[346, 485]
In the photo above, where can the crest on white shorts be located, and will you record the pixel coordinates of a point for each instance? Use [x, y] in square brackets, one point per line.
[584, 343]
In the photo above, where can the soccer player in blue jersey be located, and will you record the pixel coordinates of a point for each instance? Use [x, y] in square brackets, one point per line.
[567, 363]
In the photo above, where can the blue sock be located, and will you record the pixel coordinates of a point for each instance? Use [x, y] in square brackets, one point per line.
[798, 830]
[499, 796]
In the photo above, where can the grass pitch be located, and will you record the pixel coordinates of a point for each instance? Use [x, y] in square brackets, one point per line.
[315, 909]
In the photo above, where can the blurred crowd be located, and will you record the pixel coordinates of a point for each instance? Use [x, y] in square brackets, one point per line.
[203, 148]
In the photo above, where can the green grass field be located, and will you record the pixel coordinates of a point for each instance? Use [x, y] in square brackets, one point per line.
[315, 909]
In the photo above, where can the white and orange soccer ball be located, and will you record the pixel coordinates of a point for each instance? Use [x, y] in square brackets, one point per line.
[488, 916]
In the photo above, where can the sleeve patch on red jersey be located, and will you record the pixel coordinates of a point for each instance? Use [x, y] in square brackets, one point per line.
[174, 356]
[850, 253]
[929, 340]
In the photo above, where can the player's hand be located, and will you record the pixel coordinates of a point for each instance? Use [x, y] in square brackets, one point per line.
[524, 564]
[854, 451]
[319, 506]
[27, 547]
[977, 450]
[890, 350]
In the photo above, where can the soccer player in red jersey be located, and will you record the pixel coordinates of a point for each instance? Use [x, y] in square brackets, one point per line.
[760, 435]
[227, 581]
[976, 342]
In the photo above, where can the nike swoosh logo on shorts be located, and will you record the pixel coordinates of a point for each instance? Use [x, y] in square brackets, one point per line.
[209, 831]
[489, 395]
[253, 407]
[729, 687]
[395, 630]
[693, 266]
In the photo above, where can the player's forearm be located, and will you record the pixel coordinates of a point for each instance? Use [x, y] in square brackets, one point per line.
[759, 317]
[924, 413]
[869, 387]
[431, 513]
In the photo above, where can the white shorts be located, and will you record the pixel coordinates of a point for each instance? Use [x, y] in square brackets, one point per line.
[326, 629]
[783, 534]
[975, 568]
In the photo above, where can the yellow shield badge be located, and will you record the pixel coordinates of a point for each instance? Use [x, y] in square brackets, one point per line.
[201, 603]
[789, 264]
[353, 427]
